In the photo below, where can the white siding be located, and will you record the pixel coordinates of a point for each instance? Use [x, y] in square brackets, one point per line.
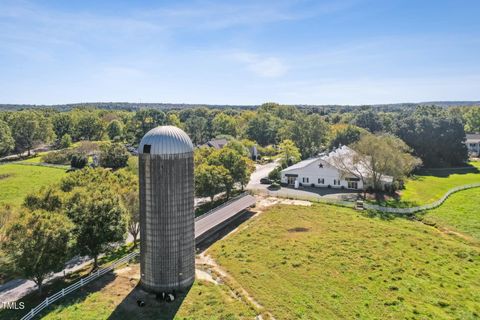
[314, 172]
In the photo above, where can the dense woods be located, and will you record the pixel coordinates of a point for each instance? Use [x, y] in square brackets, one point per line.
[435, 134]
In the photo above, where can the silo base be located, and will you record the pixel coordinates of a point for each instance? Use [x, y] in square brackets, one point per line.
[181, 286]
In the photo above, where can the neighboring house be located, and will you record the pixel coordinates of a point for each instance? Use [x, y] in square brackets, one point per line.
[473, 144]
[322, 172]
[216, 143]
[220, 143]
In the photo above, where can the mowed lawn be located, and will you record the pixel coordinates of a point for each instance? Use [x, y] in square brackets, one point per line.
[326, 262]
[460, 213]
[430, 185]
[16, 181]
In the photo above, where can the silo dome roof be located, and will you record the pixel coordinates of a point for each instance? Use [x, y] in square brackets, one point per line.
[165, 140]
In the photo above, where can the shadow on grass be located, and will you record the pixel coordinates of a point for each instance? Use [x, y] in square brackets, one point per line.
[116, 254]
[203, 244]
[390, 200]
[446, 172]
[388, 216]
[81, 294]
[153, 307]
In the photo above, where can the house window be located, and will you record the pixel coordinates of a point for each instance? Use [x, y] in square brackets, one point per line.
[336, 182]
[305, 180]
[320, 165]
[321, 181]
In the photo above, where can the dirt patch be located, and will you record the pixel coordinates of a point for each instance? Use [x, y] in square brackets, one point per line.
[208, 263]
[298, 229]
[5, 176]
[265, 202]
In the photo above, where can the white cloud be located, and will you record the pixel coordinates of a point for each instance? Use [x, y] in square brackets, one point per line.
[263, 66]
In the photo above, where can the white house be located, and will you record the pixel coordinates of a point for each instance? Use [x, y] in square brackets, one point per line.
[473, 144]
[322, 172]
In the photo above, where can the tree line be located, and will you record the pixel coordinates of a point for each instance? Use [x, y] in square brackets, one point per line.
[434, 134]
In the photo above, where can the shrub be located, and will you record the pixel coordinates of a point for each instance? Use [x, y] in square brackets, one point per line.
[114, 155]
[87, 147]
[78, 161]
[58, 157]
[65, 141]
[274, 186]
[274, 175]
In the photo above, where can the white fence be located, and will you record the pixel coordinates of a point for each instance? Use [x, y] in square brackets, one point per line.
[60, 294]
[420, 208]
[366, 205]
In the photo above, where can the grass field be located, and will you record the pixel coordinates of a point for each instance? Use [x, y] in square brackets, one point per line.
[114, 297]
[325, 262]
[428, 186]
[460, 212]
[16, 181]
[319, 262]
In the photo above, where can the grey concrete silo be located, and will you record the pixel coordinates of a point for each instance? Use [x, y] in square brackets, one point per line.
[167, 236]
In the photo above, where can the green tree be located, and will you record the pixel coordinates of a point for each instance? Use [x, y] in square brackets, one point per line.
[128, 189]
[48, 199]
[6, 140]
[88, 126]
[435, 135]
[30, 129]
[211, 180]
[309, 133]
[115, 129]
[38, 244]
[113, 155]
[143, 121]
[377, 156]
[472, 120]
[288, 152]
[99, 220]
[370, 120]
[131, 202]
[239, 147]
[239, 167]
[63, 124]
[66, 141]
[263, 129]
[224, 124]
[78, 161]
[174, 120]
[345, 137]
[197, 129]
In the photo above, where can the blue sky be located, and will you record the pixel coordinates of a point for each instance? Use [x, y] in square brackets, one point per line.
[239, 52]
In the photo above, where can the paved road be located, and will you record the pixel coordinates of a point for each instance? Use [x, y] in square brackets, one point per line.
[261, 171]
[206, 223]
[16, 289]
